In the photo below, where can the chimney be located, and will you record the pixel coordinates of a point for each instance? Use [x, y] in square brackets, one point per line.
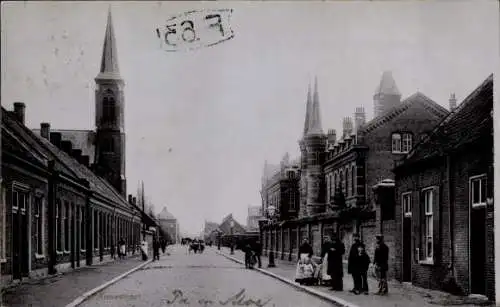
[19, 110]
[130, 200]
[45, 130]
[85, 160]
[347, 127]
[77, 154]
[359, 117]
[332, 136]
[134, 200]
[55, 139]
[67, 147]
[453, 102]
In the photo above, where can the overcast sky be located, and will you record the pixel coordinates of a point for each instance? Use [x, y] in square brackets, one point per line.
[225, 109]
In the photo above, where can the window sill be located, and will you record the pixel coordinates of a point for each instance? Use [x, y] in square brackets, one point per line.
[426, 262]
[66, 252]
[59, 253]
[39, 256]
[83, 250]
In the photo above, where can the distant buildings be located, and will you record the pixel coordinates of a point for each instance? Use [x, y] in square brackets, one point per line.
[254, 215]
[435, 209]
[169, 224]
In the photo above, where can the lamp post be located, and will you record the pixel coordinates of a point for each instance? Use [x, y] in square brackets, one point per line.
[271, 210]
[232, 239]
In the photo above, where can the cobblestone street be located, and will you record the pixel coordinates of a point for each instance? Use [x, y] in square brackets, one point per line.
[207, 279]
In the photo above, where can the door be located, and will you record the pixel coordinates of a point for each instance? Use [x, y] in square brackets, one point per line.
[478, 250]
[20, 241]
[407, 248]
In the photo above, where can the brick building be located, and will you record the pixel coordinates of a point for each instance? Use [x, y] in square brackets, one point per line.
[337, 175]
[169, 224]
[60, 211]
[444, 202]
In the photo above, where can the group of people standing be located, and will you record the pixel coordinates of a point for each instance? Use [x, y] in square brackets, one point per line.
[253, 253]
[331, 268]
[120, 249]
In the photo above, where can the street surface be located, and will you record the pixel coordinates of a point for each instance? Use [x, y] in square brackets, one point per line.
[207, 279]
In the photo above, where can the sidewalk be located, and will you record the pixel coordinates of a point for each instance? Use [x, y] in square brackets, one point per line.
[62, 289]
[399, 294]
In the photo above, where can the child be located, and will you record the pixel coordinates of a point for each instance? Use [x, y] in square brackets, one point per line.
[363, 262]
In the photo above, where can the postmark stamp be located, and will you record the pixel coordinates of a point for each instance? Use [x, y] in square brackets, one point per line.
[195, 29]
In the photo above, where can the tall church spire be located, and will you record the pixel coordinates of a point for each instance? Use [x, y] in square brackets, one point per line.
[308, 109]
[315, 117]
[109, 61]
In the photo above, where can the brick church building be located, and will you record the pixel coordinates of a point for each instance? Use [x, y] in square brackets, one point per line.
[63, 192]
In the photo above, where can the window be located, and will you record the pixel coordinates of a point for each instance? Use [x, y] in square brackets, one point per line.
[58, 225]
[108, 109]
[407, 140]
[401, 142]
[66, 226]
[292, 200]
[348, 182]
[83, 244]
[108, 145]
[353, 175]
[341, 183]
[38, 225]
[406, 204]
[478, 191]
[429, 221]
[328, 184]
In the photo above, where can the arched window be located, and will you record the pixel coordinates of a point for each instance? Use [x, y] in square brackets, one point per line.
[353, 174]
[108, 108]
[342, 185]
[348, 181]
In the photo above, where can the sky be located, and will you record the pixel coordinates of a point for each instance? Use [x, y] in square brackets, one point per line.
[200, 124]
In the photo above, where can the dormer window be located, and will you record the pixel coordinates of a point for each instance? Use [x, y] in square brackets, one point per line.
[401, 142]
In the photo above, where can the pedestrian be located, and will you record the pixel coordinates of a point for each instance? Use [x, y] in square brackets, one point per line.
[323, 272]
[247, 249]
[303, 273]
[156, 249]
[144, 250]
[380, 260]
[305, 250]
[360, 270]
[335, 264]
[352, 265]
[258, 252]
[121, 244]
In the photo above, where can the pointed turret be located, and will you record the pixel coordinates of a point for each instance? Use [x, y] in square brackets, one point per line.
[109, 61]
[315, 117]
[387, 95]
[308, 109]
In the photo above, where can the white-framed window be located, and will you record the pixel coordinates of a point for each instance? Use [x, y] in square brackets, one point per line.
[406, 204]
[396, 142]
[429, 199]
[66, 226]
[58, 225]
[401, 142]
[38, 224]
[478, 191]
[406, 143]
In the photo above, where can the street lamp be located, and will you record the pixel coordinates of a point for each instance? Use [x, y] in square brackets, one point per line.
[271, 211]
[232, 239]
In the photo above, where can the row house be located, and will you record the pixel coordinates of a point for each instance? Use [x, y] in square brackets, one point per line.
[444, 203]
[341, 178]
[58, 212]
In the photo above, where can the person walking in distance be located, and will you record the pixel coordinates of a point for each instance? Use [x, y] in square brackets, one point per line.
[258, 252]
[361, 269]
[381, 259]
[352, 264]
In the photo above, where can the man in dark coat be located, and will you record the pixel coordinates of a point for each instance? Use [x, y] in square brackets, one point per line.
[353, 266]
[380, 260]
[258, 252]
[305, 248]
[335, 265]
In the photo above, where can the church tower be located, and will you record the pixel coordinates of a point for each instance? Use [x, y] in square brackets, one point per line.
[110, 105]
[312, 147]
[386, 96]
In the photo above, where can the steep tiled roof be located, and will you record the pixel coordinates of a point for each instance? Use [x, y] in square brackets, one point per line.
[64, 163]
[81, 139]
[472, 120]
[418, 97]
[225, 226]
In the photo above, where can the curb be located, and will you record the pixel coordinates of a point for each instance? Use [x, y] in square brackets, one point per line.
[88, 294]
[336, 300]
